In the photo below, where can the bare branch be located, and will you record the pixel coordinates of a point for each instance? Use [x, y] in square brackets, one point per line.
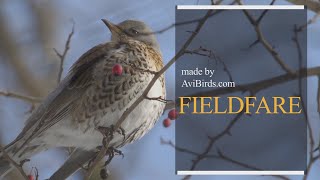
[229, 159]
[92, 165]
[264, 84]
[160, 99]
[263, 40]
[220, 155]
[212, 140]
[310, 21]
[313, 5]
[300, 59]
[64, 53]
[264, 13]
[212, 55]
[180, 149]
[224, 157]
[28, 99]
[318, 94]
[36, 172]
[311, 158]
[193, 20]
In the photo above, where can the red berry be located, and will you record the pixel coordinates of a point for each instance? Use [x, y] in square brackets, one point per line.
[166, 122]
[173, 114]
[30, 177]
[117, 70]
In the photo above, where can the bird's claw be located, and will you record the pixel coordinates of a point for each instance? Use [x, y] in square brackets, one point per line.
[108, 132]
[111, 152]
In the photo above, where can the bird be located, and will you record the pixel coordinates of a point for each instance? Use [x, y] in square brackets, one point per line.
[92, 96]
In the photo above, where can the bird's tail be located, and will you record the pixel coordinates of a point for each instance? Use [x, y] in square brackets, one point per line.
[10, 150]
[5, 167]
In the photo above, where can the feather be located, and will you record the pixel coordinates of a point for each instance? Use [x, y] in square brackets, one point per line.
[76, 160]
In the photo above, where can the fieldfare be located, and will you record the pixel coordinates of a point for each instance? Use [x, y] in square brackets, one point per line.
[92, 96]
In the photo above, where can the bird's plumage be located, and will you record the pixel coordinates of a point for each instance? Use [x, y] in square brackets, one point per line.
[91, 96]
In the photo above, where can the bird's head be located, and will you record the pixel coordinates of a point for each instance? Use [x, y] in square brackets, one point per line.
[136, 30]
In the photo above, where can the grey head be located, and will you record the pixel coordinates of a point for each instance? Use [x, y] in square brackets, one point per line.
[134, 29]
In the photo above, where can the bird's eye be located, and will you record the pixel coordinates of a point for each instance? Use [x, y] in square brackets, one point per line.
[133, 31]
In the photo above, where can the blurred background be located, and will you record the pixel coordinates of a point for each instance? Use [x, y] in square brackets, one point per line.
[30, 29]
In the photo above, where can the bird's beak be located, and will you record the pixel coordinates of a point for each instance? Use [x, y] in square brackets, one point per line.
[112, 27]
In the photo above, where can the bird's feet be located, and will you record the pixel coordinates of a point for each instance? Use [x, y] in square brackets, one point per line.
[108, 132]
[111, 152]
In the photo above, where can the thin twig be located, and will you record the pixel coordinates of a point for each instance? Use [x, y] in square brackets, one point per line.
[313, 5]
[264, 13]
[186, 22]
[160, 99]
[26, 98]
[180, 149]
[311, 160]
[201, 51]
[36, 172]
[93, 164]
[224, 157]
[318, 95]
[310, 21]
[229, 159]
[212, 141]
[29, 99]
[193, 20]
[64, 53]
[263, 84]
[263, 40]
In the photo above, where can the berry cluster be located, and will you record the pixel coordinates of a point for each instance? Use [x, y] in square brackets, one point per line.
[172, 115]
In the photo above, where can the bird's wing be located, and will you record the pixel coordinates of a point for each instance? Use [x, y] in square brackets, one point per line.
[75, 161]
[60, 102]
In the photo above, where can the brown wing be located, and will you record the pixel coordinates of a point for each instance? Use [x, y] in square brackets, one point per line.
[59, 103]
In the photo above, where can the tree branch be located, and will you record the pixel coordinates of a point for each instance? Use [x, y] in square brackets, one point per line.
[313, 5]
[260, 85]
[263, 40]
[201, 51]
[212, 141]
[193, 20]
[180, 149]
[222, 156]
[64, 53]
[28, 99]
